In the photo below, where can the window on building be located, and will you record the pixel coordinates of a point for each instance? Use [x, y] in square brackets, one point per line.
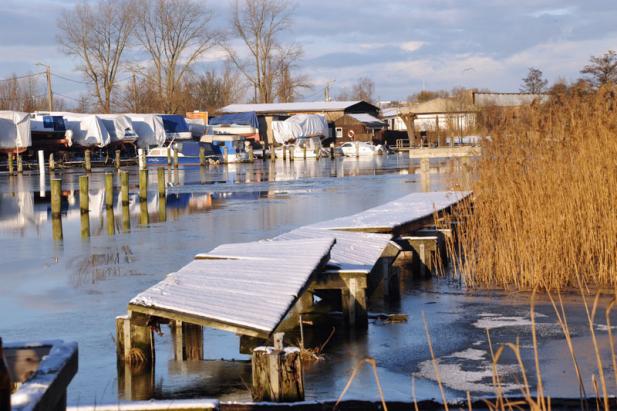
[339, 132]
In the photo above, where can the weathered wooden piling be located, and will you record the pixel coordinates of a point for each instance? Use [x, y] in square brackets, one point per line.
[202, 156]
[251, 154]
[20, 164]
[285, 152]
[109, 190]
[277, 373]
[124, 187]
[292, 152]
[84, 199]
[272, 153]
[87, 161]
[357, 149]
[56, 197]
[41, 156]
[126, 218]
[354, 300]
[168, 156]
[52, 162]
[117, 160]
[225, 155]
[331, 151]
[111, 222]
[188, 341]
[176, 164]
[304, 152]
[143, 185]
[141, 159]
[10, 163]
[162, 208]
[161, 181]
[134, 341]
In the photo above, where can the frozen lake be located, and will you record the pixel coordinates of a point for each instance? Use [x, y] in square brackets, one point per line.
[73, 289]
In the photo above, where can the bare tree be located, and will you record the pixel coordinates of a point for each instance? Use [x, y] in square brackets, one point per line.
[363, 89]
[602, 69]
[98, 34]
[212, 90]
[176, 33]
[534, 82]
[258, 24]
[24, 93]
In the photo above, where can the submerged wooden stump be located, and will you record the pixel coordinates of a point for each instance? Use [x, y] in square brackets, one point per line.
[277, 373]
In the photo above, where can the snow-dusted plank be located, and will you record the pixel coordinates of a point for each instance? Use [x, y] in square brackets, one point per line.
[246, 285]
[390, 216]
[353, 251]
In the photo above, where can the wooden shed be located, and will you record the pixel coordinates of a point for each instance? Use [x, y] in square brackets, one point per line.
[359, 127]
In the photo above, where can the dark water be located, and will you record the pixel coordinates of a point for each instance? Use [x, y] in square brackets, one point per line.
[73, 289]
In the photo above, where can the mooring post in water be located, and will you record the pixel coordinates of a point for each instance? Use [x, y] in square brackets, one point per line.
[52, 162]
[176, 165]
[285, 152]
[188, 341]
[168, 156]
[117, 160]
[202, 156]
[41, 155]
[10, 163]
[225, 155]
[357, 149]
[87, 161]
[143, 185]
[277, 373]
[124, 187]
[109, 190]
[251, 154]
[140, 158]
[331, 151]
[354, 300]
[161, 181]
[56, 197]
[292, 152]
[162, 208]
[84, 200]
[304, 151]
[272, 152]
[20, 164]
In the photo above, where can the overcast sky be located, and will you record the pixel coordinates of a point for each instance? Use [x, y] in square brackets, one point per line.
[403, 46]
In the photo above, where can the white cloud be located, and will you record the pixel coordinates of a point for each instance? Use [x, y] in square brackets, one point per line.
[411, 46]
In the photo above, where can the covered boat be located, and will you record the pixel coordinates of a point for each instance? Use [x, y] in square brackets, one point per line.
[87, 130]
[149, 128]
[239, 124]
[14, 131]
[120, 128]
[176, 127]
[300, 125]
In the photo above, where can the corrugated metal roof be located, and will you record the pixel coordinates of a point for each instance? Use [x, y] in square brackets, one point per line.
[507, 99]
[405, 210]
[250, 285]
[367, 119]
[309, 106]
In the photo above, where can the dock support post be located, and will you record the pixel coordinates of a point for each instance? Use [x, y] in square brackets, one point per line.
[109, 190]
[124, 187]
[304, 152]
[87, 161]
[56, 198]
[354, 303]
[277, 373]
[52, 162]
[168, 156]
[143, 185]
[202, 156]
[20, 164]
[176, 165]
[84, 200]
[117, 160]
[225, 155]
[161, 181]
[10, 163]
[357, 149]
[134, 341]
[285, 152]
[251, 154]
[272, 153]
[188, 341]
[331, 151]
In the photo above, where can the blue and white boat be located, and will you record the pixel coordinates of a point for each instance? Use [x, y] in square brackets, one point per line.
[188, 153]
[230, 148]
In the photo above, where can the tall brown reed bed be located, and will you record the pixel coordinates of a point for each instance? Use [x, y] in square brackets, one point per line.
[544, 208]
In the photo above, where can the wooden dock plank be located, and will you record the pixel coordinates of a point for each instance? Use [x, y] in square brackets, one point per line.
[248, 287]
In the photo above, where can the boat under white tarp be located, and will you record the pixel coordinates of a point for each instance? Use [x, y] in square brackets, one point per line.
[120, 128]
[88, 130]
[14, 131]
[149, 128]
[300, 125]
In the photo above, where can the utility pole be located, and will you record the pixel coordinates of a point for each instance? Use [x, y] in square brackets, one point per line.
[50, 95]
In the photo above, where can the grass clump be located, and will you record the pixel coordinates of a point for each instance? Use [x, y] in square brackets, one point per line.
[544, 209]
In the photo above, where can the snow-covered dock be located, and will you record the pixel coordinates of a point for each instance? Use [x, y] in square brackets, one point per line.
[398, 216]
[251, 288]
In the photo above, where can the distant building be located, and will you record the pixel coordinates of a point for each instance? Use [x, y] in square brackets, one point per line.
[334, 111]
[486, 99]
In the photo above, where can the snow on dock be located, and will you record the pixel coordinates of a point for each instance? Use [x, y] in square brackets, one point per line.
[395, 216]
[353, 251]
[246, 288]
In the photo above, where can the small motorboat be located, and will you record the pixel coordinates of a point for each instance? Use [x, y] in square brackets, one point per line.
[308, 147]
[188, 153]
[362, 148]
[229, 148]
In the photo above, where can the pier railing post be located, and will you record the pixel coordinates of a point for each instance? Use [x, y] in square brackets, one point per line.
[277, 373]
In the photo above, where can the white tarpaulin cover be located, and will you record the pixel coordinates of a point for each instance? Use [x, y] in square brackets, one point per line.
[88, 129]
[300, 125]
[119, 126]
[149, 128]
[14, 129]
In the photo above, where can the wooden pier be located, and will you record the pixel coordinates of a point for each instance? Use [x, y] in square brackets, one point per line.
[260, 288]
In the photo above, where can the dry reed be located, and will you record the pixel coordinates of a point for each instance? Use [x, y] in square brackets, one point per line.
[544, 209]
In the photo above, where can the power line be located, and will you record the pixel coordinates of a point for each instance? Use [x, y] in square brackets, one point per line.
[68, 79]
[23, 76]
[70, 98]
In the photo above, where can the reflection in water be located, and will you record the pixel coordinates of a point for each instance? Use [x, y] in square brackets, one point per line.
[135, 383]
[111, 262]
